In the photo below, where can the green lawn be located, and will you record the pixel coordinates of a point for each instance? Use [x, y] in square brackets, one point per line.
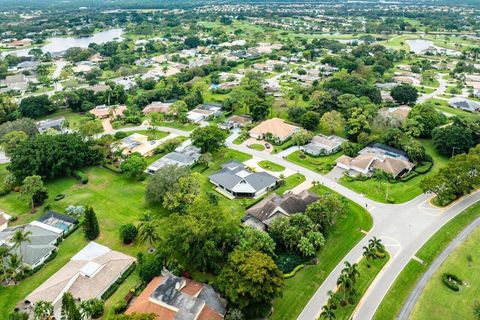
[317, 164]
[152, 135]
[290, 182]
[443, 106]
[367, 275]
[257, 146]
[73, 118]
[178, 125]
[340, 240]
[437, 301]
[401, 191]
[406, 280]
[271, 166]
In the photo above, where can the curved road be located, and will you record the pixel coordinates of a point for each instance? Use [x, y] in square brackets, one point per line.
[417, 291]
[403, 228]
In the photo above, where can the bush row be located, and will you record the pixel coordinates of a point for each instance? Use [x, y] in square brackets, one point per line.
[293, 272]
[107, 294]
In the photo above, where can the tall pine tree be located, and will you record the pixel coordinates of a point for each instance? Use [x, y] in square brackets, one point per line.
[69, 309]
[90, 225]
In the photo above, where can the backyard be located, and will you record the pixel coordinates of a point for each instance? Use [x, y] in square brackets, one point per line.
[339, 241]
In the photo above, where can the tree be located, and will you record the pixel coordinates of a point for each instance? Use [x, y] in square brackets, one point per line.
[376, 244]
[250, 278]
[148, 232]
[133, 166]
[301, 137]
[11, 140]
[296, 113]
[15, 267]
[370, 254]
[162, 181]
[327, 313]
[92, 309]
[200, 238]
[310, 120]
[128, 233]
[43, 310]
[357, 123]
[254, 239]
[69, 309]
[89, 128]
[332, 121]
[184, 192]
[452, 139]
[404, 94]
[209, 139]
[53, 156]
[20, 237]
[192, 42]
[326, 210]
[36, 106]
[90, 224]
[345, 282]
[422, 119]
[351, 270]
[24, 124]
[31, 186]
[17, 315]
[415, 151]
[321, 102]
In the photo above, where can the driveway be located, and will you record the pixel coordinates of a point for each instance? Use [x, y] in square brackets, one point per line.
[442, 87]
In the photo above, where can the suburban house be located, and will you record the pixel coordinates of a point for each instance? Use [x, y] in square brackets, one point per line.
[274, 206]
[236, 180]
[170, 297]
[4, 218]
[235, 121]
[17, 82]
[157, 106]
[204, 111]
[323, 145]
[396, 113]
[377, 156]
[104, 111]
[86, 276]
[464, 104]
[137, 142]
[183, 156]
[274, 129]
[55, 124]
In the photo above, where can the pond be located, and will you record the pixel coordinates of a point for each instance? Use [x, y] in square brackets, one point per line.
[421, 46]
[60, 44]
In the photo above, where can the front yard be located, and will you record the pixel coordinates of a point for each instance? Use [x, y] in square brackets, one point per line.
[318, 164]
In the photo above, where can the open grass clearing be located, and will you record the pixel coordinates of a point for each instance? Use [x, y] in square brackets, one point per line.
[406, 280]
[321, 164]
[271, 166]
[290, 182]
[257, 146]
[339, 241]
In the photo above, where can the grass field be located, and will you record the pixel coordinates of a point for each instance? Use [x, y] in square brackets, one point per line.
[317, 164]
[401, 191]
[437, 301]
[152, 135]
[257, 146]
[271, 166]
[443, 106]
[73, 118]
[340, 240]
[291, 182]
[405, 282]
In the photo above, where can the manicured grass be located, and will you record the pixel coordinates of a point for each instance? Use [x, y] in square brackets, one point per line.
[290, 182]
[257, 146]
[178, 125]
[437, 301]
[151, 134]
[443, 106]
[406, 280]
[401, 191]
[238, 140]
[367, 275]
[73, 118]
[271, 166]
[423, 89]
[339, 241]
[317, 164]
[10, 296]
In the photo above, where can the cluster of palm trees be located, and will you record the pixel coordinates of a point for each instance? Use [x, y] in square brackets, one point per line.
[11, 259]
[88, 309]
[374, 250]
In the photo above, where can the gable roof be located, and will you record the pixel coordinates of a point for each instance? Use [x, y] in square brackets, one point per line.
[277, 127]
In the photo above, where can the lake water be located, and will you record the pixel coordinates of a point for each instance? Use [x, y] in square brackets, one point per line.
[59, 44]
[420, 46]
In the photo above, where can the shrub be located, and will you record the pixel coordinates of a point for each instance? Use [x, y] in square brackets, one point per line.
[451, 281]
[79, 175]
[288, 262]
[410, 176]
[423, 167]
[293, 272]
[120, 135]
[120, 307]
[128, 233]
[59, 197]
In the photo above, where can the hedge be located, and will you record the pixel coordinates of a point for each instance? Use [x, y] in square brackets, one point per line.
[410, 176]
[452, 285]
[424, 167]
[107, 294]
[293, 272]
[111, 168]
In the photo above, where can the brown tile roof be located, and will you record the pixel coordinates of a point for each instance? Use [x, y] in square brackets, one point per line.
[276, 127]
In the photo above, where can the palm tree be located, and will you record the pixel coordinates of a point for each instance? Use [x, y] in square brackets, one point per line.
[346, 282]
[327, 313]
[20, 237]
[43, 310]
[15, 267]
[376, 244]
[381, 176]
[4, 253]
[351, 270]
[148, 232]
[86, 309]
[370, 254]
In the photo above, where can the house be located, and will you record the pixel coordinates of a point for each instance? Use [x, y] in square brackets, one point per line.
[104, 111]
[84, 67]
[137, 142]
[274, 129]
[183, 156]
[274, 206]
[20, 43]
[88, 274]
[236, 180]
[169, 297]
[57, 220]
[236, 121]
[27, 66]
[55, 124]
[99, 88]
[464, 104]
[204, 111]
[157, 106]
[377, 156]
[323, 145]
[386, 86]
[398, 113]
[127, 83]
[43, 240]
[18, 82]
[4, 218]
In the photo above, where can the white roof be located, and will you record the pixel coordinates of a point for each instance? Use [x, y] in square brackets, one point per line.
[91, 251]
